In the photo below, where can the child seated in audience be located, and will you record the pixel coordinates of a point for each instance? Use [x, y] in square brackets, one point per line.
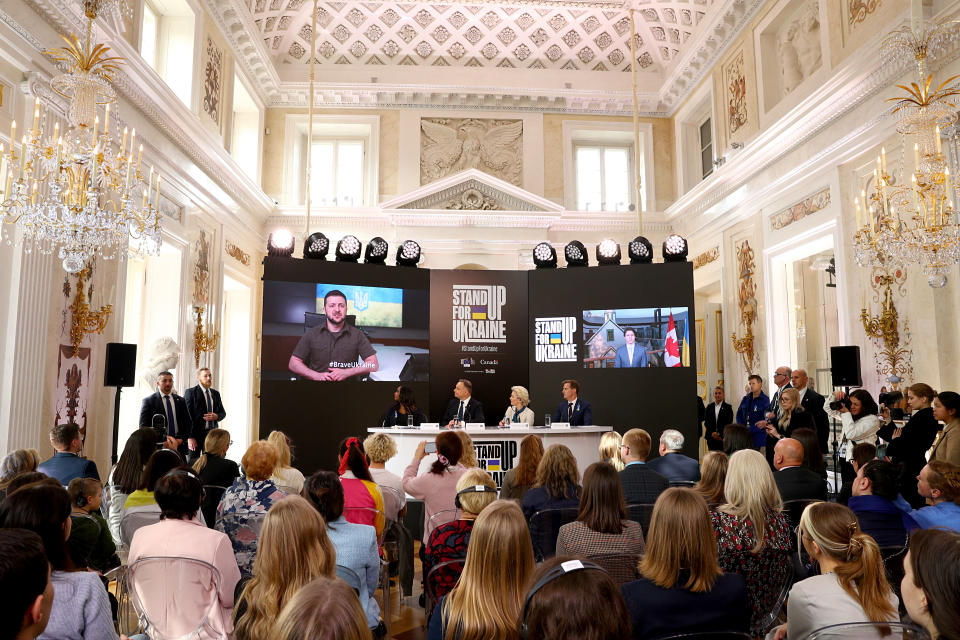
[90, 543]
[325, 609]
[25, 583]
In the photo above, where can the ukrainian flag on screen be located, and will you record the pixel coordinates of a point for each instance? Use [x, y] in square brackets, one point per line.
[373, 306]
[556, 338]
[493, 464]
[478, 313]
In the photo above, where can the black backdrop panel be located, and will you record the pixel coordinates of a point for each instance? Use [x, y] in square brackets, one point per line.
[478, 331]
[653, 398]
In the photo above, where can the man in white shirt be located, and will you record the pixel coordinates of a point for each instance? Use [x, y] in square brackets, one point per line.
[631, 354]
[174, 409]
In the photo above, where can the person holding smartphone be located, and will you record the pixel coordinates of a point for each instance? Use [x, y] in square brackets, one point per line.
[437, 487]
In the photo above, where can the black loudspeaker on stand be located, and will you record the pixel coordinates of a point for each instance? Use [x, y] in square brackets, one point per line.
[845, 372]
[120, 365]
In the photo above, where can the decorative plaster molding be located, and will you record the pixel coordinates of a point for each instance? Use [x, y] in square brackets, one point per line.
[706, 257]
[431, 196]
[237, 253]
[800, 210]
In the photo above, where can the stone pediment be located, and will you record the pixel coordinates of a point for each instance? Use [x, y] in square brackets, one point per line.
[472, 190]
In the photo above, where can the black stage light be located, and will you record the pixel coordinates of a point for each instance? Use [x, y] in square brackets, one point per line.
[348, 249]
[376, 252]
[575, 254]
[674, 249]
[280, 244]
[316, 246]
[640, 251]
[608, 252]
[545, 256]
[408, 254]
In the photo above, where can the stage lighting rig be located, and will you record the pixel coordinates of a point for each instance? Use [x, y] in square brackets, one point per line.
[280, 244]
[545, 256]
[608, 252]
[575, 254]
[376, 251]
[348, 249]
[640, 251]
[408, 254]
[316, 246]
[674, 249]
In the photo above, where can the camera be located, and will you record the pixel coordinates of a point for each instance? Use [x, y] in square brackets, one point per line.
[836, 405]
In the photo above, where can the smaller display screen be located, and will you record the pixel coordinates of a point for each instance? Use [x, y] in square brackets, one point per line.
[636, 338]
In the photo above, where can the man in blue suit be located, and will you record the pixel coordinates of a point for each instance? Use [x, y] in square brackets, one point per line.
[577, 412]
[672, 464]
[631, 354]
[65, 465]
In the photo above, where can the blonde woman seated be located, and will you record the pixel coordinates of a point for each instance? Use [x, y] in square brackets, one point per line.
[294, 549]
[379, 448]
[713, 473]
[325, 609]
[610, 449]
[517, 481]
[487, 601]
[558, 482]
[852, 585]
[601, 525]
[519, 411]
[683, 589]
[469, 457]
[287, 478]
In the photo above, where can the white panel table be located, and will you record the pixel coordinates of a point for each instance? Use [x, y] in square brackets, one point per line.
[498, 448]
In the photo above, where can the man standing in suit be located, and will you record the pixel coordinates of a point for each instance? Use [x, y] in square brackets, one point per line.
[672, 464]
[180, 435]
[641, 484]
[630, 355]
[812, 403]
[794, 481]
[718, 415]
[577, 412]
[463, 408]
[205, 406]
[66, 464]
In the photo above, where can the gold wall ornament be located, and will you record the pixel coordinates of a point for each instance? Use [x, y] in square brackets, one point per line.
[706, 257]
[893, 354]
[85, 321]
[238, 254]
[202, 342]
[748, 305]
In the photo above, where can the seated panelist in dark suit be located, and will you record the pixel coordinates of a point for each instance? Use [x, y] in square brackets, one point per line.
[672, 464]
[794, 481]
[717, 415]
[631, 355]
[577, 412]
[641, 484]
[464, 407]
[812, 402]
[180, 434]
[204, 405]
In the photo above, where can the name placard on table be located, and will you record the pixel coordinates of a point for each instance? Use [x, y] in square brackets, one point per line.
[560, 425]
[429, 426]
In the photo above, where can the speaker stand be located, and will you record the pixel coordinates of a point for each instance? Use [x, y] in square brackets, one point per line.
[116, 426]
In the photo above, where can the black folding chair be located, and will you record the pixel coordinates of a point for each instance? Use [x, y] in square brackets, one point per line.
[641, 513]
[622, 567]
[544, 529]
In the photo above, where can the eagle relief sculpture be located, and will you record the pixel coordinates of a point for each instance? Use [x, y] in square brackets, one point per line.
[451, 145]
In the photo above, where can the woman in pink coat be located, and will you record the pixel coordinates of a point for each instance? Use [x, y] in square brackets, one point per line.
[178, 535]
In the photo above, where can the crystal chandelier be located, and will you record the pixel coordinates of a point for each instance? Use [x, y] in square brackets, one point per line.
[77, 191]
[913, 220]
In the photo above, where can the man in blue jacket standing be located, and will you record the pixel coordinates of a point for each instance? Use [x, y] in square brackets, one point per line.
[753, 410]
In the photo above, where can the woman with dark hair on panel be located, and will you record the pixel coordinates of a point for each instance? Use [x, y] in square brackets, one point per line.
[404, 406]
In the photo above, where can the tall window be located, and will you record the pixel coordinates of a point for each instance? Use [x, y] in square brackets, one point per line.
[166, 43]
[245, 139]
[604, 177]
[706, 149]
[149, 35]
[338, 172]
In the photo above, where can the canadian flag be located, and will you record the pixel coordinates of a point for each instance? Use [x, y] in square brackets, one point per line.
[671, 352]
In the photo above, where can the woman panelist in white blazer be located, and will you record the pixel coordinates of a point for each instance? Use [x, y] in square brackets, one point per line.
[519, 410]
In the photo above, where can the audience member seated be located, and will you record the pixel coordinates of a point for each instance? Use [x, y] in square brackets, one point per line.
[874, 494]
[25, 583]
[736, 437]
[488, 599]
[17, 462]
[142, 501]
[245, 504]
[80, 610]
[930, 586]
[672, 464]
[90, 543]
[795, 481]
[325, 609]
[752, 532]
[852, 585]
[907, 445]
[66, 464]
[438, 486]
[287, 478]
[862, 454]
[215, 470]
[404, 406]
[558, 482]
[610, 449]
[363, 502]
[812, 454]
[570, 599]
[380, 448]
[469, 457]
[601, 525]
[682, 589]
[641, 484]
[946, 409]
[519, 411]
[294, 550]
[939, 484]
[713, 474]
[31, 477]
[125, 476]
[519, 480]
[475, 491]
[355, 544]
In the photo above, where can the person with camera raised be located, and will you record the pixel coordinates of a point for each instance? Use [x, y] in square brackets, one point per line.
[857, 413]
